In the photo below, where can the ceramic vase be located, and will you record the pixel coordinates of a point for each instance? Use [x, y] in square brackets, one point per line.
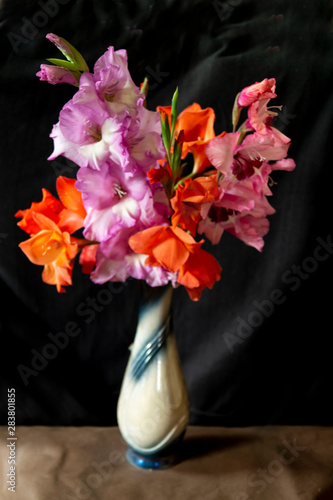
[153, 406]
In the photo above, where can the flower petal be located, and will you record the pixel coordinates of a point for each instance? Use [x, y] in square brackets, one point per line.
[220, 151]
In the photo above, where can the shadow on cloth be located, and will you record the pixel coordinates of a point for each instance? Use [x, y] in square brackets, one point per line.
[196, 446]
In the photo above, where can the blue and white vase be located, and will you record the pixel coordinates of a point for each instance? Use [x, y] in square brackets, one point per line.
[153, 406]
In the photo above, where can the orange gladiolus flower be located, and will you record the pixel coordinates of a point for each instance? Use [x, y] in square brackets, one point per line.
[74, 213]
[177, 251]
[189, 201]
[50, 207]
[198, 126]
[68, 213]
[54, 250]
[50, 224]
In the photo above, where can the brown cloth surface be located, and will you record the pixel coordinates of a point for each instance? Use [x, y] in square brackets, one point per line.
[252, 463]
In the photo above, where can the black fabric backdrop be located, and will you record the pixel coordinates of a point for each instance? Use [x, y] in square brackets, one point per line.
[257, 348]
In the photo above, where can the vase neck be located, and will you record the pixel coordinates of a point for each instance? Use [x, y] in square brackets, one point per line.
[154, 324]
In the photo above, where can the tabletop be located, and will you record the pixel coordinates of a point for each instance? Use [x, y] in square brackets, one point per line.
[250, 463]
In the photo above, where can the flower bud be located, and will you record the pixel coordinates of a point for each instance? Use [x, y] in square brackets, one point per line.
[56, 74]
[68, 51]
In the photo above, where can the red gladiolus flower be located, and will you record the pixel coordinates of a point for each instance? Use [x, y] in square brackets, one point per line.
[190, 199]
[201, 270]
[88, 258]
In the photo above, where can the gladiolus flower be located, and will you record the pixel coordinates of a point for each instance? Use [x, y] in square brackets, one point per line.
[87, 258]
[54, 250]
[198, 127]
[116, 261]
[114, 83]
[50, 207]
[248, 225]
[201, 270]
[71, 218]
[50, 224]
[189, 201]
[68, 213]
[243, 206]
[161, 174]
[175, 250]
[242, 160]
[139, 208]
[257, 92]
[102, 123]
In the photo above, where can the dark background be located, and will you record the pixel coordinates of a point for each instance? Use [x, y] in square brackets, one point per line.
[278, 368]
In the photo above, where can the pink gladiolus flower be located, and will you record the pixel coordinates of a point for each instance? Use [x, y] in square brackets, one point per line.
[246, 166]
[247, 228]
[241, 203]
[250, 230]
[260, 117]
[221, 151]
[261, 148]
[241, 211]
[257, 92]
[241, 160]
[254, 96]
[56, 74]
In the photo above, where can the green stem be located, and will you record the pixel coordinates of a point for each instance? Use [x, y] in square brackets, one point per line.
[181, 181]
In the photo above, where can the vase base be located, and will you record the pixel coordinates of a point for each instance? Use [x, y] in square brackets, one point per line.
[147, 462]
[165, 459]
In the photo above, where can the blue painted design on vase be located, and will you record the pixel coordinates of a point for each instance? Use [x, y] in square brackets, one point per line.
[153, 406]
[149, 350]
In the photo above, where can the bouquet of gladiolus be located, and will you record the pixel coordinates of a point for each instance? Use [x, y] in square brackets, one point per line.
[143, 212]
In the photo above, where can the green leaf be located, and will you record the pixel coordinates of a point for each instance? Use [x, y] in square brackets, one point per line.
[64, 64]
[75, 57]
[177, 153]
[176, 158]
[174, 111]
[166, 136]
